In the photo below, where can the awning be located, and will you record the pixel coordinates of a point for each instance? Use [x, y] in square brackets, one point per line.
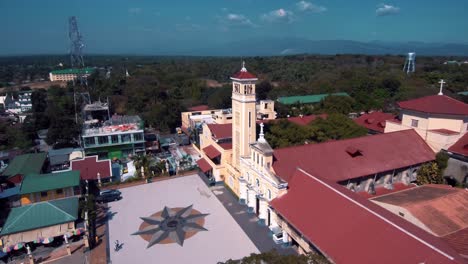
[211, 152]
[204, 165]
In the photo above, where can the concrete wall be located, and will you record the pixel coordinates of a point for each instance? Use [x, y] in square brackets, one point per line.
[403, 213]
[31, 235]
[427, 122]
[219, 170]
[50, 195]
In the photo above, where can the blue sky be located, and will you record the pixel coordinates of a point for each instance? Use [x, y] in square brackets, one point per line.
[155, 26]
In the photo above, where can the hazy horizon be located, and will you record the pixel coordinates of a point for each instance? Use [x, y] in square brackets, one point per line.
[151, 28]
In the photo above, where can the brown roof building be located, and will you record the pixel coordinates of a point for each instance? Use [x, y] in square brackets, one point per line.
[439, 209]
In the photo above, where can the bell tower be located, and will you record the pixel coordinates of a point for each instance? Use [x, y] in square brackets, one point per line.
[244, 114]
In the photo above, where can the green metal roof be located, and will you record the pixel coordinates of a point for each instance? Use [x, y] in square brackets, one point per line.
[33, 183]
[307, 99]
[25, 164]
[463, 93]
[74, 71]
[39, 215]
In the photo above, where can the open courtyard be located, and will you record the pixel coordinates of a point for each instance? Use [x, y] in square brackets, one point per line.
[203, 233]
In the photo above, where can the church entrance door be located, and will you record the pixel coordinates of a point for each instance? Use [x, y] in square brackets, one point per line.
[257, 206]
[268, 217]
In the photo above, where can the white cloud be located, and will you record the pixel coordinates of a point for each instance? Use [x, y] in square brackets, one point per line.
[236, 20]
[280, 15]
[287, 51]
[308, 6]
[386, 10]
[134, 10]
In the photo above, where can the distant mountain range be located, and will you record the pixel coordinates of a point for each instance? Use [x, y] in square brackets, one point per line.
[288, 46]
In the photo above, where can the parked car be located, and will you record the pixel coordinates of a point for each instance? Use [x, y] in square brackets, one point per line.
[108, 196]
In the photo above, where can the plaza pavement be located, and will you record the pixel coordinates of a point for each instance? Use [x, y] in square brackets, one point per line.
[224, 240]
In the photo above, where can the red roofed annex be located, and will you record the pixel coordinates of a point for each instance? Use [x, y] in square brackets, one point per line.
[357, 232]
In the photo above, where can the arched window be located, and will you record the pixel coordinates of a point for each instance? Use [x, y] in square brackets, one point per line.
[269, 194]
[257, 182]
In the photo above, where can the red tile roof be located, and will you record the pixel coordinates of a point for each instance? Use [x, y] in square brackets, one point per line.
[198, 108]
[305, 120]
[350, 229]
[436, 104]
[441, 208]
[375, 121]
[243, 75]
[220, 131]
[461, 146]
[378, 153]
[459, 241]
[204, 165]
[90, 166]
[397, 187]
[445, 131]
[226, 146]
[302, 121]
[211, 152]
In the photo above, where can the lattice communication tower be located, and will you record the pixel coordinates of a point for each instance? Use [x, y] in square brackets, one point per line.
[76, 44]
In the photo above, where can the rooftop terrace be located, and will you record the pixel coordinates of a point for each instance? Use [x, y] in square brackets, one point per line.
[116, 125]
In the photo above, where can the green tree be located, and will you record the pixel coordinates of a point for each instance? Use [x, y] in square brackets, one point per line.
[429, 173]
[337, 104]
[442, 160]
[262, 90]
[284, 133]
[335, 126]
[142, 161]
[273, 257]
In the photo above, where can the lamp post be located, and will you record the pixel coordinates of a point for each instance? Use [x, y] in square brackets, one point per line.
[68, 245]
[86, 242]
[31, 259]
[99, 179]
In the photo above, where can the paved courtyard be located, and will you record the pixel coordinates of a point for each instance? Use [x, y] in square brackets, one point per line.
[224, 240]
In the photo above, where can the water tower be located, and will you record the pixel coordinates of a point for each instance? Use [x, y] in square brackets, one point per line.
[410, 64]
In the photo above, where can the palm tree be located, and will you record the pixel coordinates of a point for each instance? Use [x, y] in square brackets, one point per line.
[141, 161]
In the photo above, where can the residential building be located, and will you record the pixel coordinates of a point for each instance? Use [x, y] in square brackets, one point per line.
[59, 159]
[25, 164]
[439, 209]
[67, 75]
[25, 100]
[440, 120]
[198, 115]
[36, 221]
[307, 99]
[117, 137]
[266, 110]
[45, 187]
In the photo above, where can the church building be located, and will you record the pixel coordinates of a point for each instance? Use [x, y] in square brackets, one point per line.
[273, 183]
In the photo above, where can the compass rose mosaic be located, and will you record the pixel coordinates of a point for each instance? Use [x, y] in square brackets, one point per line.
[171, 225]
